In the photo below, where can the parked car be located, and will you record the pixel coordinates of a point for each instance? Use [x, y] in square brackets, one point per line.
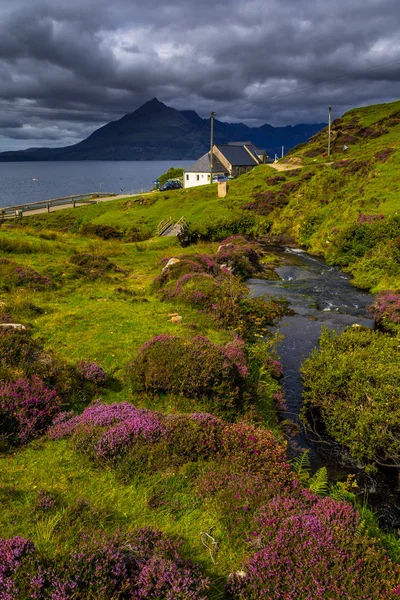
[219, 178]
[171, 184]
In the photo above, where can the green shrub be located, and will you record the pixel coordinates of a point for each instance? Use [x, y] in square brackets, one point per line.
[352, 383]
[13, 275]
[195, 368]
[358, 239]
[106, 232]
[172, 173]
[93, 266]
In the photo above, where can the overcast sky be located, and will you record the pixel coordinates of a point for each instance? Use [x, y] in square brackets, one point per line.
[69, 66]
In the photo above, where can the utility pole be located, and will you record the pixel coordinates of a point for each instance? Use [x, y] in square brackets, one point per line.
[283, 147]
[211, 144]
[329, 129]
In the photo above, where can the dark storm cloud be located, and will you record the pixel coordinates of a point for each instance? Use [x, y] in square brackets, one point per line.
[67, 66]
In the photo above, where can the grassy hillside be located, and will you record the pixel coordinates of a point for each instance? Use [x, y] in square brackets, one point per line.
[161, 347]
[344, 207]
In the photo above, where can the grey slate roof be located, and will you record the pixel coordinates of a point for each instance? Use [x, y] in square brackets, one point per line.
[252, 147]
[237, 156]
[203, 165]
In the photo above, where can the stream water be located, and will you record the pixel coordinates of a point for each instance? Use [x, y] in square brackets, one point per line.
[321, 296]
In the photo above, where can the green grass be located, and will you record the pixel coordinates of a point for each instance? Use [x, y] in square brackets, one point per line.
[57, 469]
[92, 320]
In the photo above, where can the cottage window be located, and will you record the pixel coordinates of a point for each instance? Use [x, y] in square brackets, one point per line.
[198, 177]
[187, 177]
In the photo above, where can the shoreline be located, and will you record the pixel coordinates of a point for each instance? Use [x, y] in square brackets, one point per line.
[18, 211]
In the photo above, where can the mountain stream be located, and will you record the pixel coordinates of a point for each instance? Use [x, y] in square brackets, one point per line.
[321, 296]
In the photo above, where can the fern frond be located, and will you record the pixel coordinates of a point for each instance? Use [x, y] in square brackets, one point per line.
[301, 466]
[319, 483]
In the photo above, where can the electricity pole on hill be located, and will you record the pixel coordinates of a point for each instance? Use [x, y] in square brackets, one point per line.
[211, 143]
[329, 129]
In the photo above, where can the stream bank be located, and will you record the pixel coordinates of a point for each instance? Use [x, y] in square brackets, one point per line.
[321, 296]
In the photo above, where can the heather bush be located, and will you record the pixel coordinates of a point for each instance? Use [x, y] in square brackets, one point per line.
[93, 266]
[45, 501]
[96, 415]
[22, 356]
[266, 202]
[386, 310]
[195, 368]
[351, 387]
[92, 372]
[145, 426]
[106, 232]
[13, 275]
[260, 313]
[237, 466]
[197, 289]
[273, 367]
[27, 408]
[17, 350]
[133, 566]
[251, 469]
[175, 270]
[276, 179]
[240, 256]
[307, 547]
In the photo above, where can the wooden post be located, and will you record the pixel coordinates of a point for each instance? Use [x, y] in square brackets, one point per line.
[48, 208]
[222, 189]
[329, 129]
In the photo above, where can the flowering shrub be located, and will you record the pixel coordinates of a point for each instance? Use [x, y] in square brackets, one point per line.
[93, 266]
[92, 372]
[96, 415]
[172, 272]
[18, 349]
[273, 367]
[352, 383]
[195, 368]
[14, 275]
[363, 218]
[144, 426]
[251, 469]
[240, 256]
[136, 566]
[45, 501]
[279, 401]
[22, 356]
[386, 310]
[27, 408]
[265, 202]
[276, 179]
[308, 547]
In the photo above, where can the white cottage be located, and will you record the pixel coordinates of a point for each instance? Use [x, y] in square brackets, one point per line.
[199, 173]
[232, 159]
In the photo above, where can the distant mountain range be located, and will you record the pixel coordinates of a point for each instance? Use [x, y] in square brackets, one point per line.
[158, 132]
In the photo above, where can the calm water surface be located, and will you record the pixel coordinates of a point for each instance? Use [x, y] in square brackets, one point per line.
[22, 182]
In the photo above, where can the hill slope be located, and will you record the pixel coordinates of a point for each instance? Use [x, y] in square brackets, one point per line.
[344, 208]
[158, 132]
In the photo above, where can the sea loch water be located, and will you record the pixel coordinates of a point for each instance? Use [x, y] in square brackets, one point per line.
[22, 182]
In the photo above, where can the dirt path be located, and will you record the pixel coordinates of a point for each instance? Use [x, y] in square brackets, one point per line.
[285, 166]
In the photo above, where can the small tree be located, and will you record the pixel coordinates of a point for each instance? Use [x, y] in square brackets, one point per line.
[172, 173]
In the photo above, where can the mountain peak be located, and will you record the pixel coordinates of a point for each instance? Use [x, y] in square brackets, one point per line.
[151, 106]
